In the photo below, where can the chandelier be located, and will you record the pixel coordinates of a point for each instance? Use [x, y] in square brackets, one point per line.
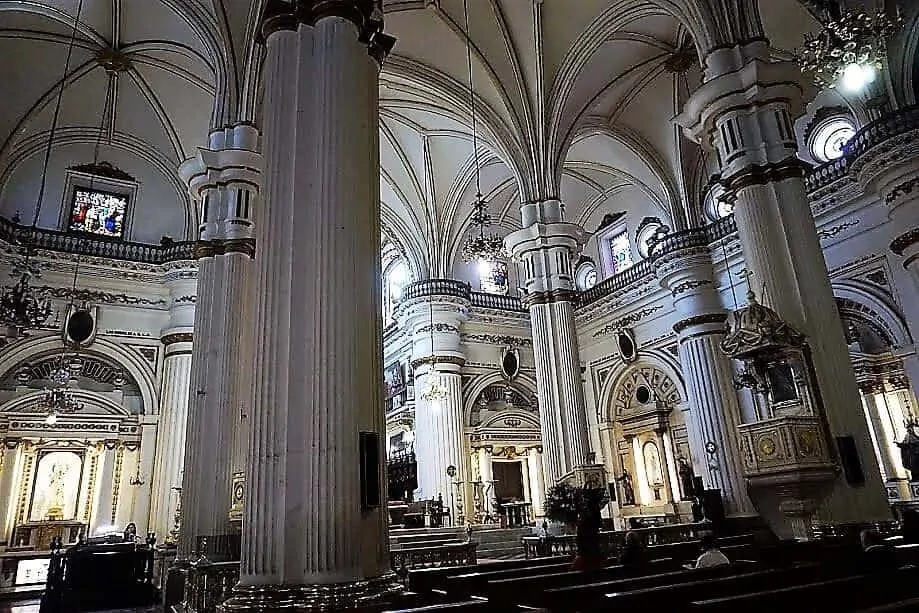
[21, 308]
[850, 49]
[483, 247]
[58, 401]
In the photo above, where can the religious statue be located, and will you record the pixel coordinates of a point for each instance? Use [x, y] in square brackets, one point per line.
[909, 450]
[686, 478]
[56, 485]
[628, 492]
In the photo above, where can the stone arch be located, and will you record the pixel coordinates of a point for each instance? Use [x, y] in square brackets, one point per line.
[475, 388]
[654, 363]
[871, 307]
[95, 404]
[132, 362]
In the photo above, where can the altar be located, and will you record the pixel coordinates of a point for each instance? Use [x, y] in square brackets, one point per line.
[37, 535]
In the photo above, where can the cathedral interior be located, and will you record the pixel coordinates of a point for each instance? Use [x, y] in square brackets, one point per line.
[301, 297]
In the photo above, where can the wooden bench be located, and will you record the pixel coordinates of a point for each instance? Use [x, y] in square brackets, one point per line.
[563, 598]
[910, 604]
[466, 606]
[678, 596]
[843, 593]
[468, 584]
[425, 579]
[507, 591]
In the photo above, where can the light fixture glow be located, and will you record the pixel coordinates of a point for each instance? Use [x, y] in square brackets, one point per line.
[51, 419]
[484, 267]
[856, 77]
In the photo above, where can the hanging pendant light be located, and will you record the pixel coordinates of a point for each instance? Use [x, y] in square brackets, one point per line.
[483, 247]
[21, 307]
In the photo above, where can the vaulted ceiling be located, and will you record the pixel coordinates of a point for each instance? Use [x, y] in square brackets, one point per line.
[574, 99]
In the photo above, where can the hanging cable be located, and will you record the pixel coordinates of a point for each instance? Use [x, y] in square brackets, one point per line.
[475, 142]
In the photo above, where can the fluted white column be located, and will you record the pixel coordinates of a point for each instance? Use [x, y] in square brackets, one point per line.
[559, 388]
[684, 266]
[548, 248]
[537, 483]
[764, 179]
[170, 442]
[439, 440]
[486, 475]
[884, 446]
[307, 539]
[10, 450]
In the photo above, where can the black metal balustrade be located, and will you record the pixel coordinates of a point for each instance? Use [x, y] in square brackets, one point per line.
[89, 245]
[460, 289]
[880, 130]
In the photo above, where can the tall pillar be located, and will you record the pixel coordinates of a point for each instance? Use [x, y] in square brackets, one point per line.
[548, 248]
[170, 440]
[146, 458]
[745, 110]
[486, 474]
[224, 177]
[537, 483]
[314, 530]
[9, 466]
[684, 267]
[437, 359]
[882, 433]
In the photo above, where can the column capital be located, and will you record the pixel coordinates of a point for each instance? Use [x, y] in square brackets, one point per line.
[548, 252]
[177, 337]
[366, 15]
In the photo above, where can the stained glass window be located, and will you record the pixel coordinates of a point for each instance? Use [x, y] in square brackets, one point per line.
[493, 277]
[98, 212]
[621, 252]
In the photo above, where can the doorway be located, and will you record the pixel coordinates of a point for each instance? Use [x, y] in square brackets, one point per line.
[508, 481]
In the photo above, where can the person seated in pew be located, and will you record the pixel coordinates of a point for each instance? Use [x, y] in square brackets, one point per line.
[633, 551]
[878, 554]
[711, 556]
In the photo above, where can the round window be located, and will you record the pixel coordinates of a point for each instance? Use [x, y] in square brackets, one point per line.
[585, 277]
[830, 137]
[642, 394]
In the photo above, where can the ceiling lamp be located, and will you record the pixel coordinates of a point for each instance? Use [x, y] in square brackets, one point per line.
[482, 247]
[58, 401]
[850, 49]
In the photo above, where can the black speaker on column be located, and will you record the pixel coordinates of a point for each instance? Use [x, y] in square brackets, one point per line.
[713, 508]
[370, 453]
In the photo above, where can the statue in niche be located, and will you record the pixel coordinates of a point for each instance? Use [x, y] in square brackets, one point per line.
[653, 470]
[628, 492]
[686, 478]
[56, 485]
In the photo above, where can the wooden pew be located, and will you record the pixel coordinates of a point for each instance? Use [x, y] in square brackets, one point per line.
[426, 579]
[466, 606]
[678, 596]
[844, 594]
[468, 584]
[564, 598]
[508, 591]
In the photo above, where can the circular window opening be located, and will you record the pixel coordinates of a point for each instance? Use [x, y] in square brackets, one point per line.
[585, 277]
[642, 394]
[830, 138]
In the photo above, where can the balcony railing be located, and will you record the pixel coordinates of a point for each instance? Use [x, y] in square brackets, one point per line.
[89, 245]
[460, 289]
[880, 130]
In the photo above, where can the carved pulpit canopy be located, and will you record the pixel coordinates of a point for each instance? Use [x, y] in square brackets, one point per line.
[756, 331]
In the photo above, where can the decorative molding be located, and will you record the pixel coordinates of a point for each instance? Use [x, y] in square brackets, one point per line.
[437, 359]
[902, 242]
[178, 337]
[104, 169]
[550, 297]
[628, 320]
[833, 231]
[185, 300]
[87, 295]
[878, 277]
[438, 327]
[903, 189]
[699, 320]
[689, 285]
[498, 339]
[761, 174]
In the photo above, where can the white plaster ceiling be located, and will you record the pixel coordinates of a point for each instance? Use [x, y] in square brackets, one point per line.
[574, 99]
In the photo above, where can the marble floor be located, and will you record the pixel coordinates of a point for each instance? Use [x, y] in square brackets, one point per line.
[31, 606]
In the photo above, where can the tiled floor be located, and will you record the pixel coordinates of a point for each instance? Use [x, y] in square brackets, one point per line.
[31, 606]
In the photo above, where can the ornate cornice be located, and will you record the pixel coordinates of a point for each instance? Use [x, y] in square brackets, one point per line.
[761, 174]
[366, 15]
[904, 241]
[178, 337]
[438, 359]
[215, 247]
[903, 189]
[699, 320]
[550, 297]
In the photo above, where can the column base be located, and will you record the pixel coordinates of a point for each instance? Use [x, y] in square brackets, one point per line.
[363, 595]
